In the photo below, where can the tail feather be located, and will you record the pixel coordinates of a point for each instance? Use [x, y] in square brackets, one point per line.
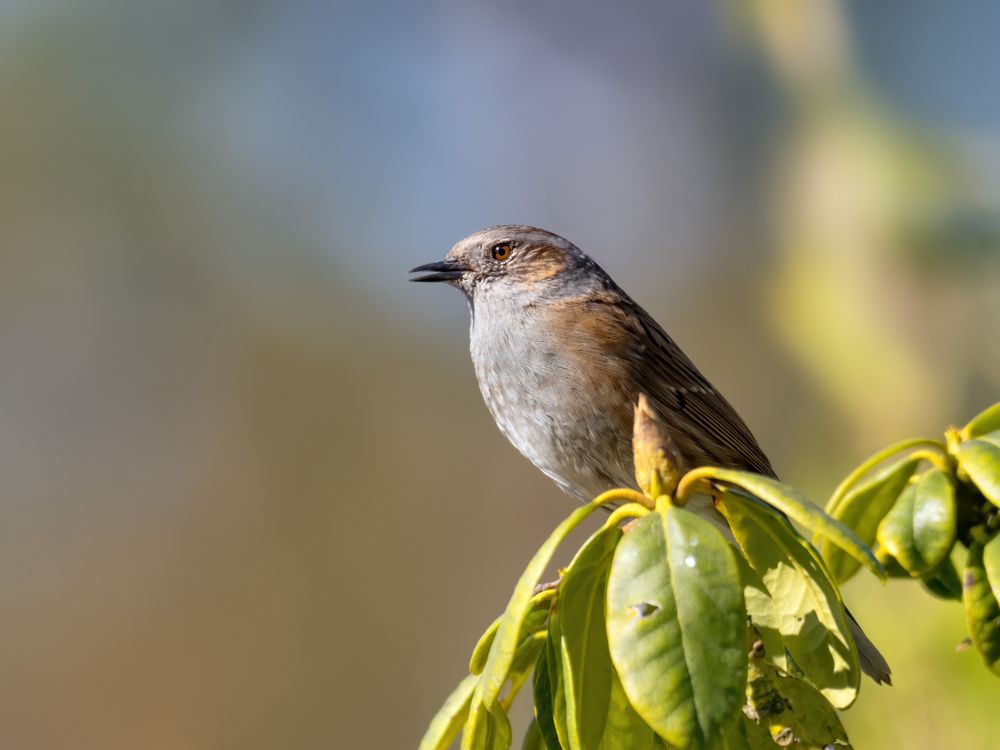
[873, 663]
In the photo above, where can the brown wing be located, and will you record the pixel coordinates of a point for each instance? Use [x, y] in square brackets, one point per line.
[704, 425]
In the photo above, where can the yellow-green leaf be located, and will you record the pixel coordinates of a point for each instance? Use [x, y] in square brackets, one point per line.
[984, 422]
[991, 564]
[793, 712]
[861, 509]
[598, 715]
[533, 738]
[982, 610]
[543, 702]
[524, 661]
[447, 723]
[482, 650]
[764, 618]
[508, 633]
[944, 582]
[488, 728]
[676, 626]
[797, 507]
[919, 531]
[808, 610]
[980, 459]
[534, 622]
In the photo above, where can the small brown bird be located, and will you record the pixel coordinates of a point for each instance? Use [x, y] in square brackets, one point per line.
[562, 353]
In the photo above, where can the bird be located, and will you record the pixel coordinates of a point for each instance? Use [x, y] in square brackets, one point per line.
[562, 354]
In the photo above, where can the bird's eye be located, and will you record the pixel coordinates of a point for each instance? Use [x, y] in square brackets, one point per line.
[501, 252]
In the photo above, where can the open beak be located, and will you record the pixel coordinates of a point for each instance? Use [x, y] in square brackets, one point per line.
[442, 270]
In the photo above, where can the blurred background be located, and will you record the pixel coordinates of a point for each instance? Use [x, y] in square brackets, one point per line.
[251, 497]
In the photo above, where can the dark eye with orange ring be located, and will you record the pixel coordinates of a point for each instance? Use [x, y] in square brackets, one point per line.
[501, 252]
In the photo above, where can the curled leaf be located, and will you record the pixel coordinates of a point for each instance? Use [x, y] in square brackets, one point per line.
[448, 721]
[807, 609]
[862, 509]
[980, 459]
[944, 582]
[986, 421]
[920, 530]
[794, 505]
[982, 609]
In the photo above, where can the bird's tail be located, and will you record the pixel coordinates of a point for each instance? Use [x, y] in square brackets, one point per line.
[873, 663]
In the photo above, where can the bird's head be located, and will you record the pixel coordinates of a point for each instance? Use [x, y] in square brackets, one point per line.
[510, 260]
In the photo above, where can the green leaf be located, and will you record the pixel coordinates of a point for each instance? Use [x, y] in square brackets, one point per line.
[875, 460]
[991, 564]
[943, 582]
[487, 728]
[508, 634]
[543, 702]
[797, 507]
[448, 721]
[750, 735]
[862, 509]
[984, 422]
[598, 715]
[487, 721]
[677, 625]
[533, 738]
[554, 661]
[792, 711]
[482, 650]
[534, 622]
[761, 611]
[808, 611]
[524, 660]
[919, 531]
[982, 610]
[981, 461]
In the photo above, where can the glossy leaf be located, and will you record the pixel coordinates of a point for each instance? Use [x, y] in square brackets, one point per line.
[533, 738]
[808, 611]
[598, 715]
[543, 702]
[448, 721]
[981, 461]
[862, 509]
[991, 564]
[534, 622]
[521, 668]
[798, 508]
[482, 650]
[874, 461]
[919, 531]
[486, 716]
[508, 634]
[984, 422]
[761, 611]
[554, 661]
[982, 610]
[792, 712]
[944, 581]
[488, 728]
[677, 624]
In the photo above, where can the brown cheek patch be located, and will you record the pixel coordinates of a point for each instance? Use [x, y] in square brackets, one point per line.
[544, 264]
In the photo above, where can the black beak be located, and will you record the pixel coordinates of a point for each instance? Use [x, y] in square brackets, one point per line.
[442, 270]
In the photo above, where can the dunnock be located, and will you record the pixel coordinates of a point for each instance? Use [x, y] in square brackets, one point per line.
[562, 353]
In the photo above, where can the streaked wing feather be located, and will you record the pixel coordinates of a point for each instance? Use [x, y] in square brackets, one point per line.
[688, 401]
